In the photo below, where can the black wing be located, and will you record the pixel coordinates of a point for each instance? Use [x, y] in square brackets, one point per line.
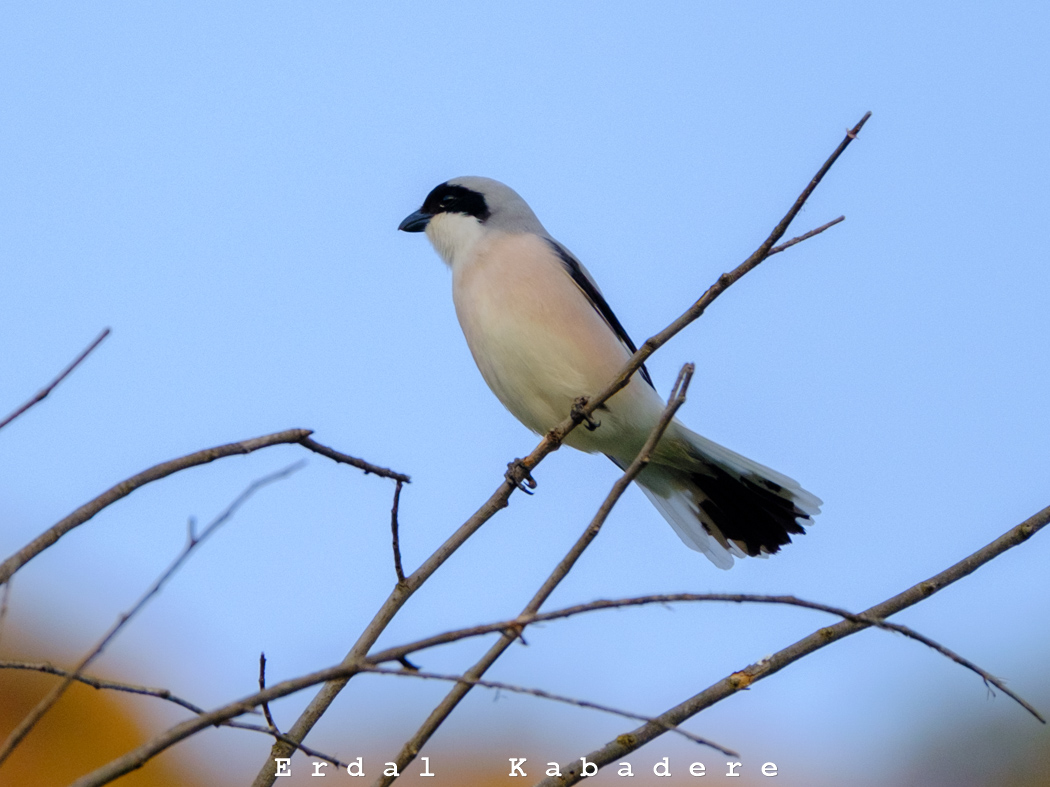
[575, 270]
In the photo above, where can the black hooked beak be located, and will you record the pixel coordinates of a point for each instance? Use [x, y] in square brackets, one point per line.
[415, 222]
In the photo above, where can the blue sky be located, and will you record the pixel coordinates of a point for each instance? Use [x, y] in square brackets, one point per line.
[221, 185]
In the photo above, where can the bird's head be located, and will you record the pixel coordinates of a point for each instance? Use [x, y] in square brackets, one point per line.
[460, 212]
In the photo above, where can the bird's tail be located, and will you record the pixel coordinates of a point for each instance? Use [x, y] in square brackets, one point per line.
[721, 503]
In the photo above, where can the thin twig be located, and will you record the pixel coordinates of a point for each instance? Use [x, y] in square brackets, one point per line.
[519, 623]
[624, 744]
[4, 598]
[274, 733]
[42, 393]
[53, 696]
[100, 683]
[394, 531]
[460, 690]
[513, 480]
[164, 694]
[262, 687]
[126, 487]
[547, 695]
[804, 236]
[346, 459]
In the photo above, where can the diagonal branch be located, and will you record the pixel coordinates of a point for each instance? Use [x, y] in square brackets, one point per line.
[653, 343]
[471, 676]
[550, 443]
[43, 392]
[624, 744]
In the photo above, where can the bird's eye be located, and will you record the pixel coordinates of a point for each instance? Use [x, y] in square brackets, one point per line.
[448, 200]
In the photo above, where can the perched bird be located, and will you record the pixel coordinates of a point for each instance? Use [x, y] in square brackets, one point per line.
[542, 335]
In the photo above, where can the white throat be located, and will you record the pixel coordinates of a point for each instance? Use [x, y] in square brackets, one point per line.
[454, 235]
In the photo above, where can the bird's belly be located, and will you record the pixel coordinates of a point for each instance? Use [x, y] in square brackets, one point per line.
[539, 351]
[536, 375]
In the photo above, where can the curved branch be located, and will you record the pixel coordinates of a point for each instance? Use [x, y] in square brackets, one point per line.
[100, 683]
[126, 487]
[518, 625]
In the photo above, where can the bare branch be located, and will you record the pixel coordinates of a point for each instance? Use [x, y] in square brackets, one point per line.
[5, 596]
[100, 683]
[126, 487]
[513, 480]
[460, 690]
[625, 744]
[346, 459]
[42, 394]
[804, 236]
[547, 695]
[164, 694]
[53, 696]
[262, 687]
[398, 570]
[519, 623]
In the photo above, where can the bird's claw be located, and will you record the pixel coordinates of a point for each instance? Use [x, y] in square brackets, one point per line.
[520, 477]
[580, 417]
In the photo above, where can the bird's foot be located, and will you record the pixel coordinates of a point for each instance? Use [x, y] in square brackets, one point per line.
[520, 477]
[580, 417]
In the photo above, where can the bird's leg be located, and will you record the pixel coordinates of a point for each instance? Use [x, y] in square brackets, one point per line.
[580, 417]
[520, 477]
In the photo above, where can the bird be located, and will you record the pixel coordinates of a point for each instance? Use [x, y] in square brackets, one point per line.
[543, 335]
